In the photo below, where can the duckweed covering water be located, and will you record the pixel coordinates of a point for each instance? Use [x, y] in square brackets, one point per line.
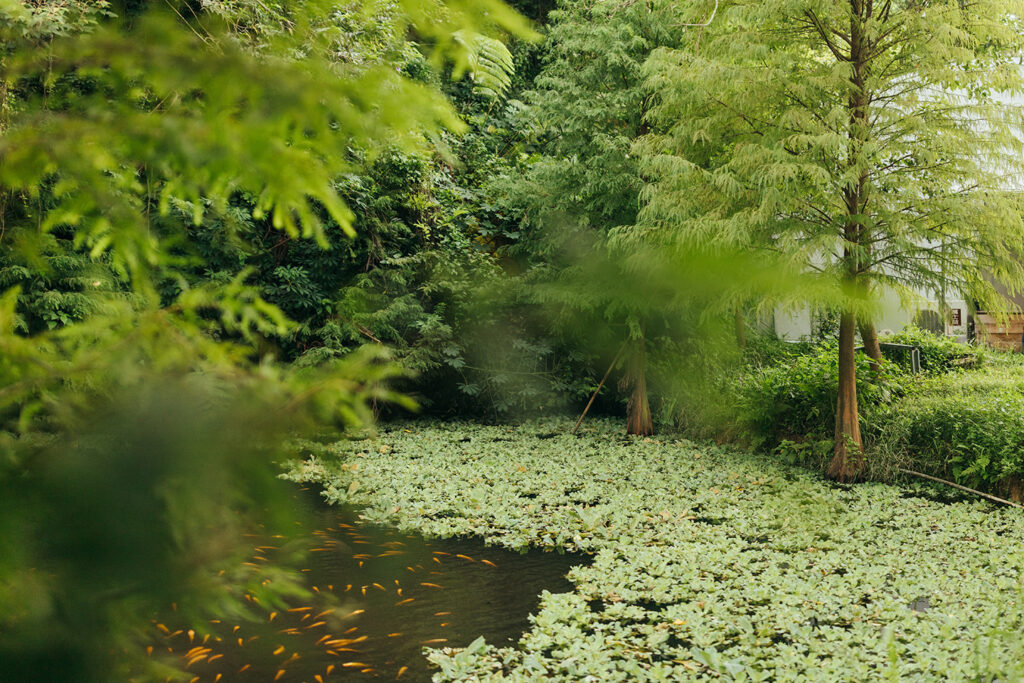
[710, 563]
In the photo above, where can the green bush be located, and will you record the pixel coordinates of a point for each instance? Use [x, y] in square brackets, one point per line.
[794, 400]
[939, 354]
[764, 350]
[967, 427]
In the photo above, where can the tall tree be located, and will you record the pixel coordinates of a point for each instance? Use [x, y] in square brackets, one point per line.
[867, 139]
[592, 102]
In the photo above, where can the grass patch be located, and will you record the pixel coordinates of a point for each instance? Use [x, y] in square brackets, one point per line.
[709, 562]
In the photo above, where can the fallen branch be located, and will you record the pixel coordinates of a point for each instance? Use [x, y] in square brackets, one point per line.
[996, 499]
[366, 332]
[594, 395]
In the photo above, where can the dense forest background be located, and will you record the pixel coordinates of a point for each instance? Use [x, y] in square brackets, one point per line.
[441, 258]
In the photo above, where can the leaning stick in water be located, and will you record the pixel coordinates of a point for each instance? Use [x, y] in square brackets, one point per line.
[594, 395]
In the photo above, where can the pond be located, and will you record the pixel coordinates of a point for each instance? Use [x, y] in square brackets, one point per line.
[379, 597]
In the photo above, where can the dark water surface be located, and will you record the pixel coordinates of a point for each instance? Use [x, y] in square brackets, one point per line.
[379, 597]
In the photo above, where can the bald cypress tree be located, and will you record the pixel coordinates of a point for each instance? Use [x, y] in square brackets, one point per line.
[591, 101]
[868, 139]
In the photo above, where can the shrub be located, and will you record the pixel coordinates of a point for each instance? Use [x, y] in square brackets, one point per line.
[794, 400]
[939, 354]
[967, 427]
[766, 349]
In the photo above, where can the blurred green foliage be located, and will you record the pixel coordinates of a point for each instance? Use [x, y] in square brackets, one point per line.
[156, 163]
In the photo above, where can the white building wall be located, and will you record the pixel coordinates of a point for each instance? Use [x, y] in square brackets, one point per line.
[892, 316]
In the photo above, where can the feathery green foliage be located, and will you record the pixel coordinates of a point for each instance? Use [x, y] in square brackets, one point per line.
[590, 102]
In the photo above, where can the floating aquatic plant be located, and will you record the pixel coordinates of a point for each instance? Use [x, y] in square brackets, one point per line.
[709, 562]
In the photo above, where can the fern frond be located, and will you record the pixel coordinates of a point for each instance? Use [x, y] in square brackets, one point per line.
[488, 62]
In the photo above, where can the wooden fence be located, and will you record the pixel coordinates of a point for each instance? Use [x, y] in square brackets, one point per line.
[1001, 333]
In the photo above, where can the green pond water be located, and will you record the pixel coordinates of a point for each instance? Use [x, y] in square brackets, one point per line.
[379, 597]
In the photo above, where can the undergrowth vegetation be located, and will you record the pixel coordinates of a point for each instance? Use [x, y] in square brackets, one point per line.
[939, 354]
[961, 418]
[793, 397]
[709, 563]
[966, 426]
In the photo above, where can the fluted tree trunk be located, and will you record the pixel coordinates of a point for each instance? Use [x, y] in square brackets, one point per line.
[848, 456]
[741, 327]
[848, 462]
[869, 336]
[638, 410]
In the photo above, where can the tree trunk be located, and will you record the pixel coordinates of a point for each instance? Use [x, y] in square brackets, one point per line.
[870, 337]
[741, 327]
[848, 460]
[638, 411]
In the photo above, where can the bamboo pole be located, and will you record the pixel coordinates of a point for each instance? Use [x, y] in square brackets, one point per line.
[996, 499]
[594, 395]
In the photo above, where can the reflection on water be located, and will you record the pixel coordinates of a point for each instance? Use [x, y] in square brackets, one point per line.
[379, 597]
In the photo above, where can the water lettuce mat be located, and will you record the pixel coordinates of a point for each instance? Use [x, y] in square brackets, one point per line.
[710, 563]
